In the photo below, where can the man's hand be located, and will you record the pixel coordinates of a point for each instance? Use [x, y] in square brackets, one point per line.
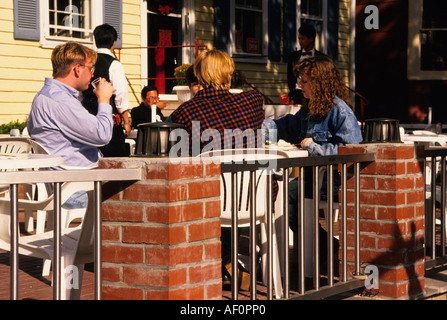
[104, 91]
[127, 129]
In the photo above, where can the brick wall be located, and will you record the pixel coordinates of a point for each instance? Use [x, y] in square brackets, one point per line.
[392, 217]
[161, 234]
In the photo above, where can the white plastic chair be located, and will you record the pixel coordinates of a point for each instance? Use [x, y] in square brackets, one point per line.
[77, 243]
[243, 179]
[322, 204]
[10, 145]
[44, 191]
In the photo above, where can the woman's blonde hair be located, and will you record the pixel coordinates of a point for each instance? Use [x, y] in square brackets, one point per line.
[65, 55]
[326, 83]
[214, 68]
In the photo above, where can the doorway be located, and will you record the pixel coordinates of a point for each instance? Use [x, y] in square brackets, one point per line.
[164, 26]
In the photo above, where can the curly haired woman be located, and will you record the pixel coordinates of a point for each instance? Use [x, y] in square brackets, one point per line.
[326, 120]
[324, 123]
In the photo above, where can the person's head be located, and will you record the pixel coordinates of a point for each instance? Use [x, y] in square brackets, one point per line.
[214, 68]
[320, 83]
[306, 36]
[193, 82]
[105, 36]
[74, 59]
[149, 95]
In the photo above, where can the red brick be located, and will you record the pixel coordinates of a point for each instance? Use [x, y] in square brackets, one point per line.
[110, 232]
[213, 250]
[111, 274]
[416, 166]
[175, 213]
[206, 189]
[395, 152]
[204, 230]
[383, 198]
[352, 149]
[189, 293]
[393, 290]
[121, 293]
[203, 273]
[154, 235]
[395, 213]
[122, 254]
[213, 290]
[157, 171]
[178, 192]
[211, 169]
[117, 211]
[154, 277]
[389, 228]
[174, 256]
[212, 208]
[147, 192]
[185, 171]
[414, 197]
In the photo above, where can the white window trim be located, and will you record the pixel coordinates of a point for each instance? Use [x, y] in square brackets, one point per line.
[47, 41]
[414, 71]
[324, 19]
[249, 57]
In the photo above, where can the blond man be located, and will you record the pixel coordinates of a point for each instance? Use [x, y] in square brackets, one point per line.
[58, 120]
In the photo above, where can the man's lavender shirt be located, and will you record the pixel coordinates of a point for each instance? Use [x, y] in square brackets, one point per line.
[60, 123]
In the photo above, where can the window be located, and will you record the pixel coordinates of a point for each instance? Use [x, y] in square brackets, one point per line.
[248, 26]
[427, 32]
[313, 12]
[55, 21]
[69, 19]
[249, 29]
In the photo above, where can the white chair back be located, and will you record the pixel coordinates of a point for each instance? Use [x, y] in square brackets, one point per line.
[242, 182]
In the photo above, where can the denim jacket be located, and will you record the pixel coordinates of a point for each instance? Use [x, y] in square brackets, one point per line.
[340, 127]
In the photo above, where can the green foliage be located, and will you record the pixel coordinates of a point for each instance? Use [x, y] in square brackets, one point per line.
[180, 72]
[6, 127]
[237, 81]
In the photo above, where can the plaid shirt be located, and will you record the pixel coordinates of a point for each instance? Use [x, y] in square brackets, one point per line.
[219, 109]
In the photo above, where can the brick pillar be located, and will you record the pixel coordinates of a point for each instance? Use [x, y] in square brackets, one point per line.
[392, 217]
[161, 235]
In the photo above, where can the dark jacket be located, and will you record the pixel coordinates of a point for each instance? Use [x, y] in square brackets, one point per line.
[293, 58]
[143, 114]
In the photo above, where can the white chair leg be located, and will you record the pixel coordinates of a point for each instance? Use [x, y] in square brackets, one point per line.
[28, 191]
[40, 219]
[277, 284]
[46, 266]
[308, 238]
[71, 282]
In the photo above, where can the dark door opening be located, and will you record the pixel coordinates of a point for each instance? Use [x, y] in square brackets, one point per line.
[164, 30]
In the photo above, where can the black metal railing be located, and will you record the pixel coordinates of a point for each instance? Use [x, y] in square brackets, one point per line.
[285, 165]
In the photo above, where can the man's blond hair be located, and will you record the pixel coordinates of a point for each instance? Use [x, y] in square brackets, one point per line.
[213, 68]
[66, 55]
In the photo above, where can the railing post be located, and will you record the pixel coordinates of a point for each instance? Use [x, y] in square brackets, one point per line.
[391, 224]
[161, 235]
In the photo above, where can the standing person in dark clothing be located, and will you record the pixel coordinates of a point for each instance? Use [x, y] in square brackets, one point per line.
[142, 113]
[109, 68]
[306, 39]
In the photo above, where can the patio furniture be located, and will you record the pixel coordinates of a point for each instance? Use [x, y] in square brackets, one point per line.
[77, 245]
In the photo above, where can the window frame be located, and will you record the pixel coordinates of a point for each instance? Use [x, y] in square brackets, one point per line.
[249, 57]
[321, 42]
[49, 41]
[414, 71]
